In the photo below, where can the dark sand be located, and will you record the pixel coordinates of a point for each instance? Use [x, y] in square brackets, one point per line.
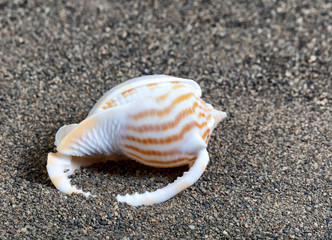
[267, 64]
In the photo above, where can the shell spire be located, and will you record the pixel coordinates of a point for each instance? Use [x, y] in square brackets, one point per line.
[218, 116]
[157, 120]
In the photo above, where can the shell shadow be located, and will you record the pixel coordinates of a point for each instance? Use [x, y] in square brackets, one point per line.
[124, 175]
[33, 167]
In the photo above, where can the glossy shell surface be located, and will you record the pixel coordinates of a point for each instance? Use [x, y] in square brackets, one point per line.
[157, 120]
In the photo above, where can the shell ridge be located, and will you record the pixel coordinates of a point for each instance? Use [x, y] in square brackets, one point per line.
[78, 146]
[86, 139]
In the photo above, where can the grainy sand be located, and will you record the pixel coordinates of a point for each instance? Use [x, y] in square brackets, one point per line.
[267, 64]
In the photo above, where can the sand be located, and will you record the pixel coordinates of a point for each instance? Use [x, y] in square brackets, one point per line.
[266, 63]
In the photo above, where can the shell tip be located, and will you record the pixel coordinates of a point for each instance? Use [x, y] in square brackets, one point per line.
[219, 116]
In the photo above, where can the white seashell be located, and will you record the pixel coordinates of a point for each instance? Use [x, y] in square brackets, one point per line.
[157, 120]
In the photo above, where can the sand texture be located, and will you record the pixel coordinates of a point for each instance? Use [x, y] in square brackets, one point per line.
[268, 64]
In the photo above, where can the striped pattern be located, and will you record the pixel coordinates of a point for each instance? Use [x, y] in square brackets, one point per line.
[122, 93]
[158, 120]
[111, 103]
[157, 129]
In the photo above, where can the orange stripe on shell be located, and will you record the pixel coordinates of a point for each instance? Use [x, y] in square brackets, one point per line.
[165, 111]
[151, 152]
[109, 104]
[162, 97]
[161, 164]
[169, 139]
[152, 86]
[128, 92]
[206, 133]
[167, 125]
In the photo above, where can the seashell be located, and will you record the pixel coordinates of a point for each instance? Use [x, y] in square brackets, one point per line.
[157, 120]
